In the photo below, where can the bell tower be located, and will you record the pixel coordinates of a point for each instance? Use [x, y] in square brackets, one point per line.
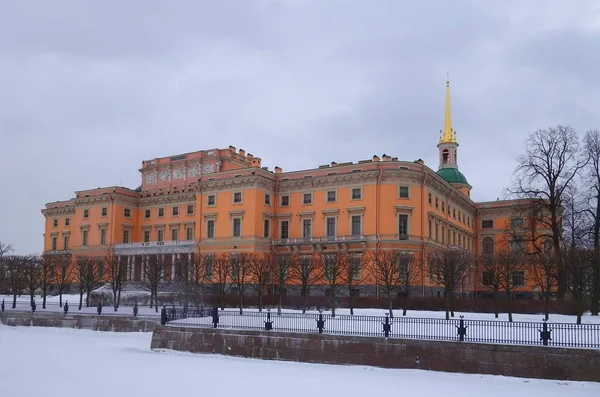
[448, 147]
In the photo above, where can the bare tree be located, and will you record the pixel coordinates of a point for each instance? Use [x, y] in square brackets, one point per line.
[579, 269]
[352, 277]
[31, 271]
[259, 272]
[592, 180]
[89, 271]
[189, 277]
[281, 265]
[512, 275]
[490, 277]
[46, 277]
[117, 272]
[153, 278]
[63, 274]
[15, 266]
[447, 268]
[542, 268]
[203, 265]
[549, 165]
[240, 273]
[5, 249]
[220, 277]
[306, 272]
[335, 264]
[386, 275]
[409, 277]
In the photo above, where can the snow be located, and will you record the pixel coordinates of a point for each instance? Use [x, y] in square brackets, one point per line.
[122, 364]
[52, 306]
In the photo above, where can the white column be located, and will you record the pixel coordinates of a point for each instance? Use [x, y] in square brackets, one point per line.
[173, 260]
[144, 264]
[128, 274]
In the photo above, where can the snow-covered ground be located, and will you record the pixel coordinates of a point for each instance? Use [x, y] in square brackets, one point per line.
[52, 306]
[122, 364]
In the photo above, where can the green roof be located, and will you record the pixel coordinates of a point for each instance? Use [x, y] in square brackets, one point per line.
[452, 175]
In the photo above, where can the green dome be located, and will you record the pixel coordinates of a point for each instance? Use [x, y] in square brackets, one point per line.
[452, 175]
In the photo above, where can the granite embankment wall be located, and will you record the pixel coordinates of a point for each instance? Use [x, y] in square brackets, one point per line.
[80, 321]
[519, 361]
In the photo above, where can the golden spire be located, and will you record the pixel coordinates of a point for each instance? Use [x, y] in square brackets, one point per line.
[448, 135]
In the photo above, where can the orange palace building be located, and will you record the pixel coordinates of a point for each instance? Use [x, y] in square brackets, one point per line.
[223, 201]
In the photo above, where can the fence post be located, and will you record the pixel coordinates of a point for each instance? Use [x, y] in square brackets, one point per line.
[320, 322]
[66, 307]
[215, 316]
[462, 329]
[99, 308]
[387, 326]
[2, 306]
[269, 322]
[163, 316]
[135, 309]
[545, 333]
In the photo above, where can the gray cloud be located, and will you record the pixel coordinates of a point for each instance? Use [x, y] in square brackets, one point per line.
[89, 90]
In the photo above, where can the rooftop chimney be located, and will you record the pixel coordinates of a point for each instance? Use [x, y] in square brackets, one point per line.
[278, 169]
[420, 162]
[242, 152]
[333, 164]
[232, 148]
[249, 155]
[375, 157]
[255, 162]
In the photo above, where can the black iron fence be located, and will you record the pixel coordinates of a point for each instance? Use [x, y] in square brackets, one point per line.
[480, 331]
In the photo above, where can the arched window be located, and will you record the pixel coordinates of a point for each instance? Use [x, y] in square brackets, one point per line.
[445, 156]
[488, 246]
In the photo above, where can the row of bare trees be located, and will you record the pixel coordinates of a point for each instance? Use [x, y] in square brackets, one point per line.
[559, 174]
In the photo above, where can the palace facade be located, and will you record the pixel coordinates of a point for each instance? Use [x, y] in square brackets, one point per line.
[223, 201]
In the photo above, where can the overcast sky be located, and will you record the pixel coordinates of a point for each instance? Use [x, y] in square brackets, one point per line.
[89, 89]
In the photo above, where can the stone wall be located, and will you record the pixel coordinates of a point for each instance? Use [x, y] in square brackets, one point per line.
[520, 361]
[81, 321]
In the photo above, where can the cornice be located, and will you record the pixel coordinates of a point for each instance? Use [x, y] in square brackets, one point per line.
[59, 211]
[237, 183]
[513, 209]
[327, 181]
[445, 190]
[106, 199]
[403, 175]
[167, 199]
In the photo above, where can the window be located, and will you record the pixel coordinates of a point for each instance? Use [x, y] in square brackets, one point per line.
[330, 227]
[430, 226]
[443, 234]
[208, 265]
[161, 212]
[443, 206]
[160, 235]
[430, 198]
[104, 211]
[354, 266]
[210, 228]
[331, 196]
[86, 214]
[66, 243]
[189, 233]
[146, 236]
[437, 202]
[518, 278]
[67, 221]
[517, 245]
[403, 226]
[285, 201]
[174, 234]
[488, 246]
[356, 221]
[356, 193]
[125, 236]
[146, 214]
[190, 209]
[54, 244]
[437, 228]
[84, 237]
[127, 212]
[487, 278]
[212, 200]
[102, 237]
[307, 198]
[267, 199]
[306, 228]
[175, 211]
[489, 224]
[55, 223]
[237, 197]
[266, 228]
[403, 192]
[285, 229]
[237, 227]
[516, 222]
[454, 213]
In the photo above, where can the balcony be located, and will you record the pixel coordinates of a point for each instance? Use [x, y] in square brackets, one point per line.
[320, 240]
[155, 247]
